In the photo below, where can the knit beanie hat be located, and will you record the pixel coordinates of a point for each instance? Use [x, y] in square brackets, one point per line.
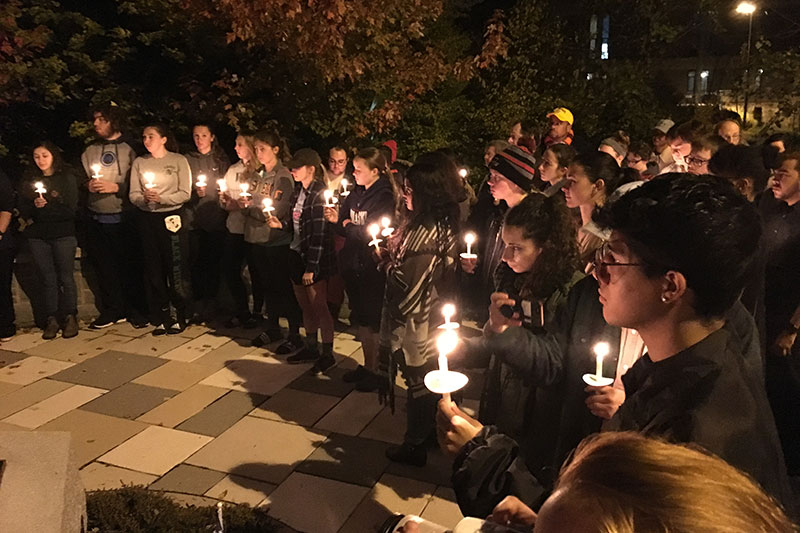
[517, 165]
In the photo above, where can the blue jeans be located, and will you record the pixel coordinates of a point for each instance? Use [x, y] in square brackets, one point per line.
[55, 260]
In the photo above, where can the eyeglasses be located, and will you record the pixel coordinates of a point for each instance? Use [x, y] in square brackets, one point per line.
[632, 161]
[696, 161]
[600, 265]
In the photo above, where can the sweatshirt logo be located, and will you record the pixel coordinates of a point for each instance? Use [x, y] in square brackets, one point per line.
[359, 218]
[108, 158]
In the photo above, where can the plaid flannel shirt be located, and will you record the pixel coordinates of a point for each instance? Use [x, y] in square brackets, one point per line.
[316, 233]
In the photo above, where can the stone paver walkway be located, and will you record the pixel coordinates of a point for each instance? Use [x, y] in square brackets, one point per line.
[205, 417]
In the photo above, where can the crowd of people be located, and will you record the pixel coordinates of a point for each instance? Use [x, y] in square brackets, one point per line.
[680, 253]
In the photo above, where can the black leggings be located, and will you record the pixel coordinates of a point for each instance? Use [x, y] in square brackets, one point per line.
[165, 266]
[271, 269]
[233, 258]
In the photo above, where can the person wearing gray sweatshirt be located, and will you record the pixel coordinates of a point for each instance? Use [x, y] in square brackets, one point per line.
[160, 184]
[113, 246]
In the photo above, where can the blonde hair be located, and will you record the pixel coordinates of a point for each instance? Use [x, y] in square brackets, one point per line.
[642, 485]
[250, 140]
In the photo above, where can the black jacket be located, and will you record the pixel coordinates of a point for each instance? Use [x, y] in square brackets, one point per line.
[57, 218]
[363, 207]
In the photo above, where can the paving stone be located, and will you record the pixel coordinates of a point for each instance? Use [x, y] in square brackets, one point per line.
[93, 348]
[386, 426]
[51, 408]
[24, 397]
[239, 489]
[182, 406]
[109, 370]
[296, 407]
[189, 479]
[124, 328]
[442, 508]
[222, 414]
[99, 476]
[230, 351]
[155, 450]
[93, 434]
[352, 414]
[392, 494]
[129, 401]
[30, 369]
[331, 502]
[196, 348]
[259, 375]
[154, 346]
[8, 357]
[437, 471]
[23, 341]
[175, 375]
[6, 388]
[57, 348]
[330, 384]
[345, 346]
[349, 459]
[259, 449]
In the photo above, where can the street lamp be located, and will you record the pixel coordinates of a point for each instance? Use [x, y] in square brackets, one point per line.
[747, 8]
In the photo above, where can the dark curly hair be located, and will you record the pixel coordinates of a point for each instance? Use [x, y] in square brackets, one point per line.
[696, 225]
[547, 222]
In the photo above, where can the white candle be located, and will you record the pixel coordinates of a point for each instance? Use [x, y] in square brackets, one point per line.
[39, 187]
[96, 171]
[601, 349]
[445, 344]
[374, 229]
[244, 187]
[222, 186]
[268, 209]
[328, 194]
[469, 238]
[448, 310]
[345, 192]
[201, 180]
[149, 179]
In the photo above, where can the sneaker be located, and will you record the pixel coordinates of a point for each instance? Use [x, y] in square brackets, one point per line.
[356, 375]
[161, 329]
[51, 329]
[408, 454]
[323, 364]
[303, 356]
[370, 383]
[104, 321]
[137, 321]
[291, 345]
[70, 327]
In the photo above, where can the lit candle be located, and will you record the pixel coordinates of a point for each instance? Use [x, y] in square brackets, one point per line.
[201, 180]
[149, 178]
[463, 172]
[39, 187]
[448, 310]
[244, 187]
[386, 223]
[96, 171]
[445, 344]
[328, 194]
[222, 186]
[469, 238]
[345, 192]
[600, 350]
[374, 230]
[268, 209]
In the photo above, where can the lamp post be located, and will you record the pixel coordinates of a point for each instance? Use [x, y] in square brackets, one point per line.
[747, 8]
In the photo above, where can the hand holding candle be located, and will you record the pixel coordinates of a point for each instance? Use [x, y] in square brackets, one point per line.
[601, 350]
[444, 381]
[39, 187]
[469, 239]
[149, 180]
[201, 181]
[96, 171]
[268, 207]
[374, 230]
[244, 188]
[222, 186]
[328, 194]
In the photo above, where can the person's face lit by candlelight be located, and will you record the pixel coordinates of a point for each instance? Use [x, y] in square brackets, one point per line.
[730, 131]
[786, 182]
[697, 162]
[203, 138]
[44, 160]
[364, 175]
[337, 161]
[501, 187]
[102, 126]
[681, 148]
[153, 141]
[242, 149]
[520, 253]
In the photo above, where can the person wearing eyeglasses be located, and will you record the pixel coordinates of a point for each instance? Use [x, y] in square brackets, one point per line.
[703, 149]
[680, 251]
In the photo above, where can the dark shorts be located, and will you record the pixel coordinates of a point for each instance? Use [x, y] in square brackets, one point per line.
[365, 290]
[297, 267]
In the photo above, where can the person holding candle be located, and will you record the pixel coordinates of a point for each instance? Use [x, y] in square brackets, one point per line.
[51, 236]
[113, 245]
[205, 219]
[371, 199]
[421, 269]
[268, 252]
[160, 223]
[693, 385]
[312, 259]
[234, 252]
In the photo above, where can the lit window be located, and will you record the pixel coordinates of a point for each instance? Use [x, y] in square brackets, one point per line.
[704, 75]
[690, 78]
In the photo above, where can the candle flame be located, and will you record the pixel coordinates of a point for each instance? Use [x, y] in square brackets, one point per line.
[149, 177]
[267, 203]
[244, 187]
[201, 180]
[463, 172]
[448, 310]
[601, 349]
[374, 229]
[386, 222]
[469, 238]
[96, 168]
[222, 185]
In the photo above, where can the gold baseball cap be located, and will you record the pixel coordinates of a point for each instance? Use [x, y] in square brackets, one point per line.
[563, 114]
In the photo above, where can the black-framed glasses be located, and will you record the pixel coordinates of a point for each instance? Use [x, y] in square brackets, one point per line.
[600, 265]
[696, 161]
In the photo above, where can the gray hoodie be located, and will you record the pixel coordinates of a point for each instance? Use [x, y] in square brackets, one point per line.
[115, 159]
[278, 185]
[172, 181]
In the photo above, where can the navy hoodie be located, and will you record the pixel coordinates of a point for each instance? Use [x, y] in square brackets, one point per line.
[363, 207]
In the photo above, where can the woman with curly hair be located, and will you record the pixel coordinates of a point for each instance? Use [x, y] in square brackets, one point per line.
[420, 276]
